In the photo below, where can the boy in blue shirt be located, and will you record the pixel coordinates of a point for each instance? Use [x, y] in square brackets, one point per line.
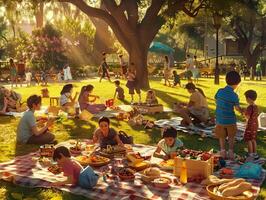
[226, 101]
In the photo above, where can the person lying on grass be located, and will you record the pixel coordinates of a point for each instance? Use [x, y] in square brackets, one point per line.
[105, 135]
[3, 104]
[76, 175]
[168, 145]
[27, 131]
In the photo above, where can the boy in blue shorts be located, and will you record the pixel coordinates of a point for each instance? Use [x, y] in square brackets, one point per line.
[226, 101]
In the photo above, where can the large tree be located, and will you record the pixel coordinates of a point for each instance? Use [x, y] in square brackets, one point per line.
[134, 28]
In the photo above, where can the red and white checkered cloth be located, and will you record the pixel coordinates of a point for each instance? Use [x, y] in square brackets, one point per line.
[28, 172]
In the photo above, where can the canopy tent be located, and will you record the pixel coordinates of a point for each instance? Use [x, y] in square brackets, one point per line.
[158, 47]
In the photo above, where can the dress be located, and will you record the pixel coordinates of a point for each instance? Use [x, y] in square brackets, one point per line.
[252, 123]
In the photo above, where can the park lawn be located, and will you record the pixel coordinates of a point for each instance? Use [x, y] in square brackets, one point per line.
[68, 129]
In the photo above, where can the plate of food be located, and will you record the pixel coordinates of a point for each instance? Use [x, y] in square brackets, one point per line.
[162, 182]
[55, 169]
[150, 174]
[112, 151]
[126, 174]
[97, 161]
[45, 162]
[235, 190]
[167, 164]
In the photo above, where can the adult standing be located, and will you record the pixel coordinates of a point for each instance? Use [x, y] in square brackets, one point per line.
[123, 65]
[196, 71]
[167, 71]
[13, 72]
[67, 73]
[258, 71]
[104, 68]
[189, 67]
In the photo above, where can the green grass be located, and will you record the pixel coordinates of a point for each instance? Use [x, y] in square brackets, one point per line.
[79, 129]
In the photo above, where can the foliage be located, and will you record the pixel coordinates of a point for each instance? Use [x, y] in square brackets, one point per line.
[47, 47]
[3, 33]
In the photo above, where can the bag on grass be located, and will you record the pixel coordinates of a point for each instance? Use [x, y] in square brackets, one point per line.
[125, 138]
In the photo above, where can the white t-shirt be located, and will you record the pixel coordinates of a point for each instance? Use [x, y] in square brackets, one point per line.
[190, 63]
[167, 149]
[28, 76]
[64, 98]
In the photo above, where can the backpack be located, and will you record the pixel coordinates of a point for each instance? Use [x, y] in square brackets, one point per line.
[125, 138]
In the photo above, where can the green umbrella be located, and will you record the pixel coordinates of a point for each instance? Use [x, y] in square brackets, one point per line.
[158, 47]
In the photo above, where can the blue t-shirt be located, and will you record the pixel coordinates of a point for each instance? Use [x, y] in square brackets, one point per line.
[24, 131]
[226, 100]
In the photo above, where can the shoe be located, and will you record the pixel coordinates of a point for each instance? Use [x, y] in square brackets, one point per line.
[256, 156]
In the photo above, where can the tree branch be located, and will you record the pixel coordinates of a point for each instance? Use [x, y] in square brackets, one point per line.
[194, 12]
[104, 15]
[132, 12]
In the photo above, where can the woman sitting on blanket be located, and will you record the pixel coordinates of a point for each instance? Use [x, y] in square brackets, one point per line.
[76, 175]
[67, 102]
[169, 145]
[27, 131]
[197, 107]
[86, 99]
[105, 135]
[13, 100]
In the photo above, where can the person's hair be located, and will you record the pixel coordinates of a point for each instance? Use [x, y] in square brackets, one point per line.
[120, 55]
[89, 88]
[169, 132]
[103, 53]
[117, 82]
[83, 89]
[174, 72]
[195, 57]
[33, 99]
[232, 78]
[104, 119]
[166, 58]
[191, 86]
[61, 150]
[11, 60]
[188, 55]
[251, 94]
[66, 88]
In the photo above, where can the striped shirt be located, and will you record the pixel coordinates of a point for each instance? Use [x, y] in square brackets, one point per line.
[226, 100]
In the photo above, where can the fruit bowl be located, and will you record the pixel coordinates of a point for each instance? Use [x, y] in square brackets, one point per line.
[213, 193]
[126, 174]
[75, 150]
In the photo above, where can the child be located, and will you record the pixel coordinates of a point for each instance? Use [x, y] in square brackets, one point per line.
[66, 100]
[176, 79]
[151, 97]
[132, 83]
[167, 71]
[27, 132]
[76, 175]
[44, 78]
[119, 91]
[226, 101]
[168, 145]
[28, 78]
[3, 102]
[104, 68]
[251, 114]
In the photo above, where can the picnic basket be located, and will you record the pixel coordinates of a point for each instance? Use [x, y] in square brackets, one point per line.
[194, 167]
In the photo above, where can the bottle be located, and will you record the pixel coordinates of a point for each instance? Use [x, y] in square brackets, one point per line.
[77, 109]
[183, 172]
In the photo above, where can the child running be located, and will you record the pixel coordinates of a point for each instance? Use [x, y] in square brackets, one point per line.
[251, 114]
[168, 145]
[76, 175]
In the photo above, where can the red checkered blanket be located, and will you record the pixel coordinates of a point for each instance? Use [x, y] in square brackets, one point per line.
[27, 172]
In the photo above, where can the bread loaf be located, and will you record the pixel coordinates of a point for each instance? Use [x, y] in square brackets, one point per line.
[236, 190]
[230, 184]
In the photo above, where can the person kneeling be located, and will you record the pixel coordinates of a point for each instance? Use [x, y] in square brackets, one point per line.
[27, 131]
[76, 175]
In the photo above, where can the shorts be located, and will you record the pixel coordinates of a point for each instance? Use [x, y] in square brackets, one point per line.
[132, 86]
[124, 70]
[88, 178]
[250, 134]
[105, 73]
[223, 131]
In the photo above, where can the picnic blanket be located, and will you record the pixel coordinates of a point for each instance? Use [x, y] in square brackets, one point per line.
[28, 173]
[207, 131]
[42, 111]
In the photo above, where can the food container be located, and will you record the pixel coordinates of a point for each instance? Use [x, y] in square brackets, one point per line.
[211, 189]
[162, 182]
[194, 167]
[126, 174]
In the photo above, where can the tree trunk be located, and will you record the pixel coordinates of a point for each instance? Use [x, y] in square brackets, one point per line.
[39, 15]
[139, 58]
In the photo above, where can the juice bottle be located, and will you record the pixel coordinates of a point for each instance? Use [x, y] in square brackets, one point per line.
[183, 173]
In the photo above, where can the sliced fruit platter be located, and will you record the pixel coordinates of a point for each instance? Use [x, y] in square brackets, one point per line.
[193, 154]
[112, 151]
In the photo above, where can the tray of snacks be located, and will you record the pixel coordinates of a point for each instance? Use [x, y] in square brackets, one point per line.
[45, 162]
[150, 174]
[95, 160]
[162, 182]
[167, 164]
[126, 174]
[47, 150]
[55, 169]
[112, 151]
[237, 189]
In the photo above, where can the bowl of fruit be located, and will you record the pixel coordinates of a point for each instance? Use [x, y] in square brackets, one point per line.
[126, 174]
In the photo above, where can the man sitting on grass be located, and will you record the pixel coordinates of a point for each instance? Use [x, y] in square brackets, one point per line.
[27, 131]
